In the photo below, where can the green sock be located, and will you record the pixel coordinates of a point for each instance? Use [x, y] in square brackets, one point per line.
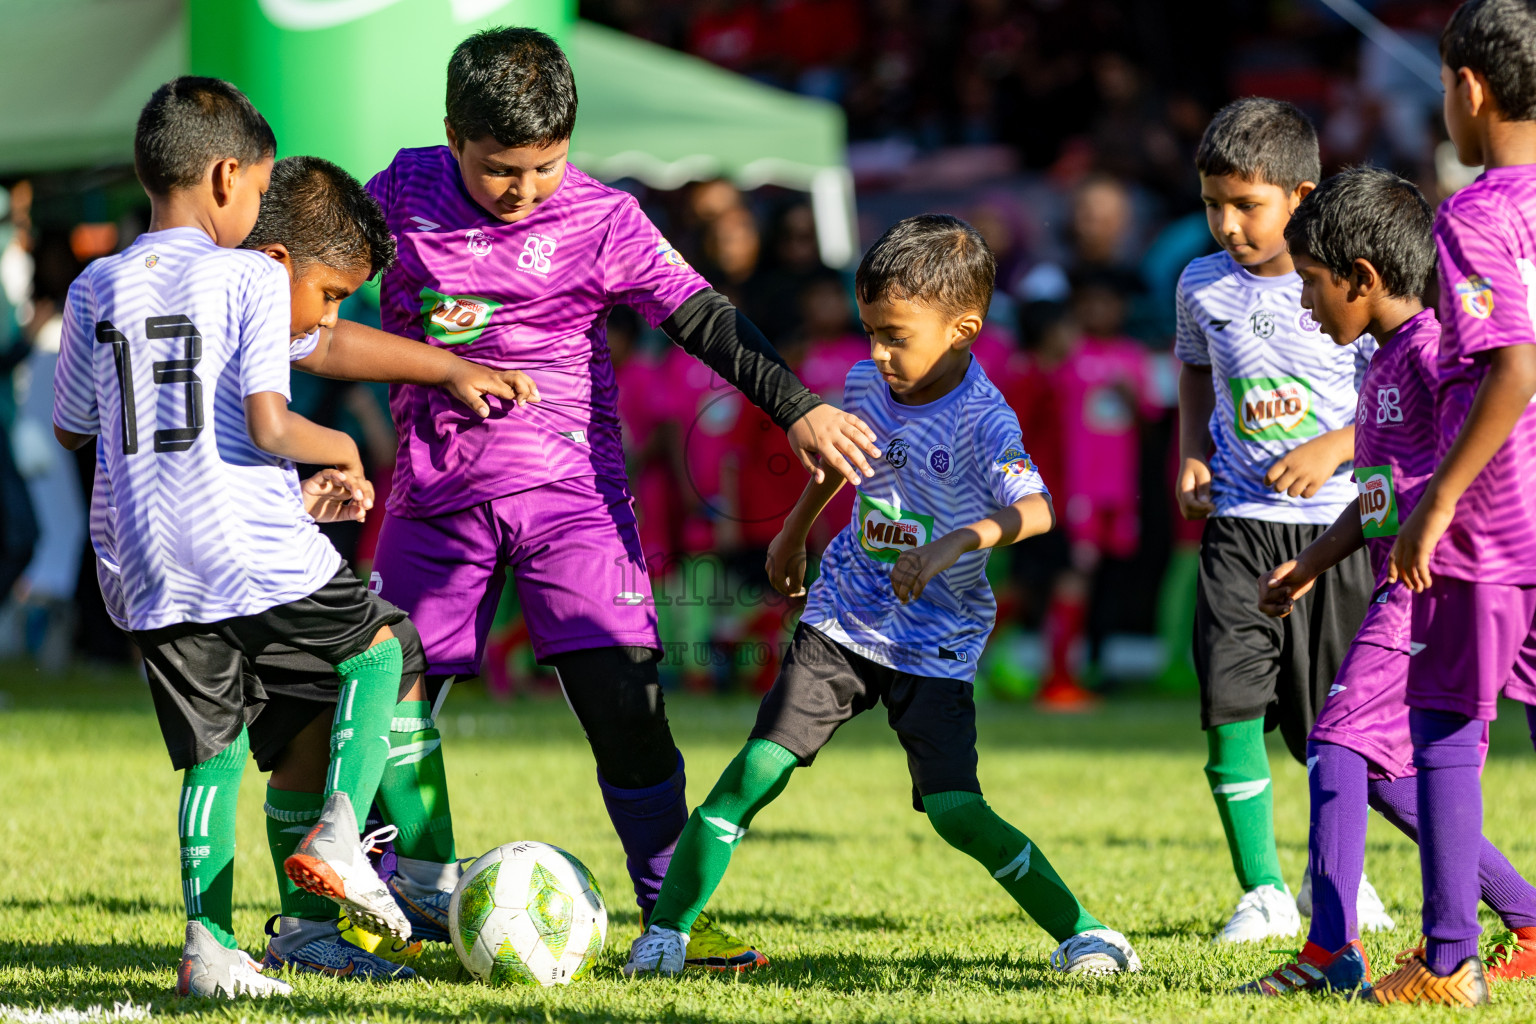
[1238, 770]
[370, 686]
[289, 818]
[413, 793]
[206, 825]
[757, 774]
[970, 826]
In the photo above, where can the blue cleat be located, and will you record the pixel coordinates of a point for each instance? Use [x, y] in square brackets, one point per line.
[1314, 969]
[427, 914]
[316, 947]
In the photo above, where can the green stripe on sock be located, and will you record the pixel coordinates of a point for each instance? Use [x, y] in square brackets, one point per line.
[413, 792]
[1238, 772]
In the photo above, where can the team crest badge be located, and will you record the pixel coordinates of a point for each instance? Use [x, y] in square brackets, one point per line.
[477, 242]
[1262, 322]
[1015, 462]
[151, 260]
[1476, 294]
[671, 255]
[896, 453]
[940, 460]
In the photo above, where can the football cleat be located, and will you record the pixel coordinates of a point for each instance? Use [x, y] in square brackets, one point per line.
[209, 969]
[316, 947]
[1414, 982]
[399, 951]
[332, 862]
[659, 951]
[1264, 913]
[1314, 969]
[1511, 959]
[714, 949]
[1097, 951]
[428, 915]
[1370, 911]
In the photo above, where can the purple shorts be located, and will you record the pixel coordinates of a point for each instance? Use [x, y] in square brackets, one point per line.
[572, 548]
[1365, 710]
[1473, 641]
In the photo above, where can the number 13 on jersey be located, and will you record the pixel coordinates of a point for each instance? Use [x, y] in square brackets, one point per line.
[166, 371]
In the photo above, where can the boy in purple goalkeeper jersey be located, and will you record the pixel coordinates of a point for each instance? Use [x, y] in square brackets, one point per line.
[1468, 550]
[514, 260]
[1362, 244]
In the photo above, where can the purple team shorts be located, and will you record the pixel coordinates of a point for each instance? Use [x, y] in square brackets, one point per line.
[1472, 642]
[1364, 710]
[572, 548]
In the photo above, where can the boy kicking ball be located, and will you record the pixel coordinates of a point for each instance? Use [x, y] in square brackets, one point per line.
[175, 352]
[1362, 244]
[903, 608]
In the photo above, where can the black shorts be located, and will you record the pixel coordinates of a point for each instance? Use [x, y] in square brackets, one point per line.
[823, 684]
[1252, 666]
[200, 673]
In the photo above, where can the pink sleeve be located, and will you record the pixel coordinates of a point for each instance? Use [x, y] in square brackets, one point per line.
[1484, 282]
[640, 269]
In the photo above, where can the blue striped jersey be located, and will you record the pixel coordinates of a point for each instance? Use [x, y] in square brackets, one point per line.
[1279, 382]
[190, 521]
[947, 464]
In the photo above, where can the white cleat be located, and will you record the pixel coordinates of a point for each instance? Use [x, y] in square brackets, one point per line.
[1370, 911]
[659, 951]
[331, 861]
[1264, 913]
[1094, 953]
[208, 969]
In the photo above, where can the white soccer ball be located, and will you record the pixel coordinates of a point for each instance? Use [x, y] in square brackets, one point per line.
[527, 914]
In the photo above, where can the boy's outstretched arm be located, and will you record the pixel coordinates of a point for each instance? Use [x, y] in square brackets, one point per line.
[1502, 399]
[708, 327]
[279, 431]
[786, 552]
[1030, 516]
[351, 351]
[1197, 401]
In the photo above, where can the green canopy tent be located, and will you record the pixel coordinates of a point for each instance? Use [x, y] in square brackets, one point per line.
[354, 80]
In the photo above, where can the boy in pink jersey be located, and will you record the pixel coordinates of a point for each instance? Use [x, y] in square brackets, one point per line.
[1362, 244]
[1468, 551]
[515, 259]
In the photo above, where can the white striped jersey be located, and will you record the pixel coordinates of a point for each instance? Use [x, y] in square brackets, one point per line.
[1279, 381]
[947, 464]
[191, 522]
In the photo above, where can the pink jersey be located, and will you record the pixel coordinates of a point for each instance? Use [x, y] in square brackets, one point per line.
[1395, 435]
[1100, 388]
[532, 296]
[1486, 235]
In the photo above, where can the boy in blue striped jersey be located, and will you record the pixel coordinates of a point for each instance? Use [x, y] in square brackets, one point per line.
[902, 609]
[1275, 398]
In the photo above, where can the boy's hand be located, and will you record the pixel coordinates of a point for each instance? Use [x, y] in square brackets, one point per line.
[1194, 490]
[330, 497]
[786, 564]
[1305, 468]
[836, 437]
[1416, 541]
[470, 383]
[1283, 586]
[352, 471]
[915, 568]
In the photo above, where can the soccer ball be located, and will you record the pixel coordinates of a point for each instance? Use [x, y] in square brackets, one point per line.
[527, 914]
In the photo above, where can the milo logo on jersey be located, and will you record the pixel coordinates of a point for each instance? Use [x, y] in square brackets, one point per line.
[455, 319]
[1272, 408]
[1378, 501]
[884, 533]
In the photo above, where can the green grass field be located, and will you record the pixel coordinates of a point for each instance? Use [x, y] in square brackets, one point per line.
[866, 914]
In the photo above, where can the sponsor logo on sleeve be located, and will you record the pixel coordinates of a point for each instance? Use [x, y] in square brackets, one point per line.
[151, 260]
[885, 532]
[1476, 295]
[455, 319]
[1272, 408]
[1378, 501]
[1015, 462]
[671, 255]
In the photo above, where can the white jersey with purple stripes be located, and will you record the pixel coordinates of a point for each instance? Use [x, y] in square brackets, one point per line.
[190, 521]
[1279, 382]
[947, 464]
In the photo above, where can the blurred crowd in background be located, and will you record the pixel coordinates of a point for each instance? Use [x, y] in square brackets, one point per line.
[1063, 129]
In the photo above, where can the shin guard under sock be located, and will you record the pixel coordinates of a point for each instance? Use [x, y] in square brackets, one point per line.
[755, 776]
[206, 826]
[1238, 772]
[1448, 753]
[966, 822]
[370, 686]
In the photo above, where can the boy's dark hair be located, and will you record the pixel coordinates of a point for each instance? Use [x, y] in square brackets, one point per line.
[932, 259]
[1366, 213]
[1261, 140]
[321, 214]
[512, 84]
[1497, 39]
[189, 123]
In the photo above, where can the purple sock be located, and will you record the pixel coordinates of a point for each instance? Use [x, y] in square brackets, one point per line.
[1337, 778]
[648, 822]
[1504, 889]
[1447, 750]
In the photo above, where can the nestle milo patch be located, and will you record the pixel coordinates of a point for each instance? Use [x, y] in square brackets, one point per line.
[455, 319]
[1272, 408]
[1378, 501]
[884, 532]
